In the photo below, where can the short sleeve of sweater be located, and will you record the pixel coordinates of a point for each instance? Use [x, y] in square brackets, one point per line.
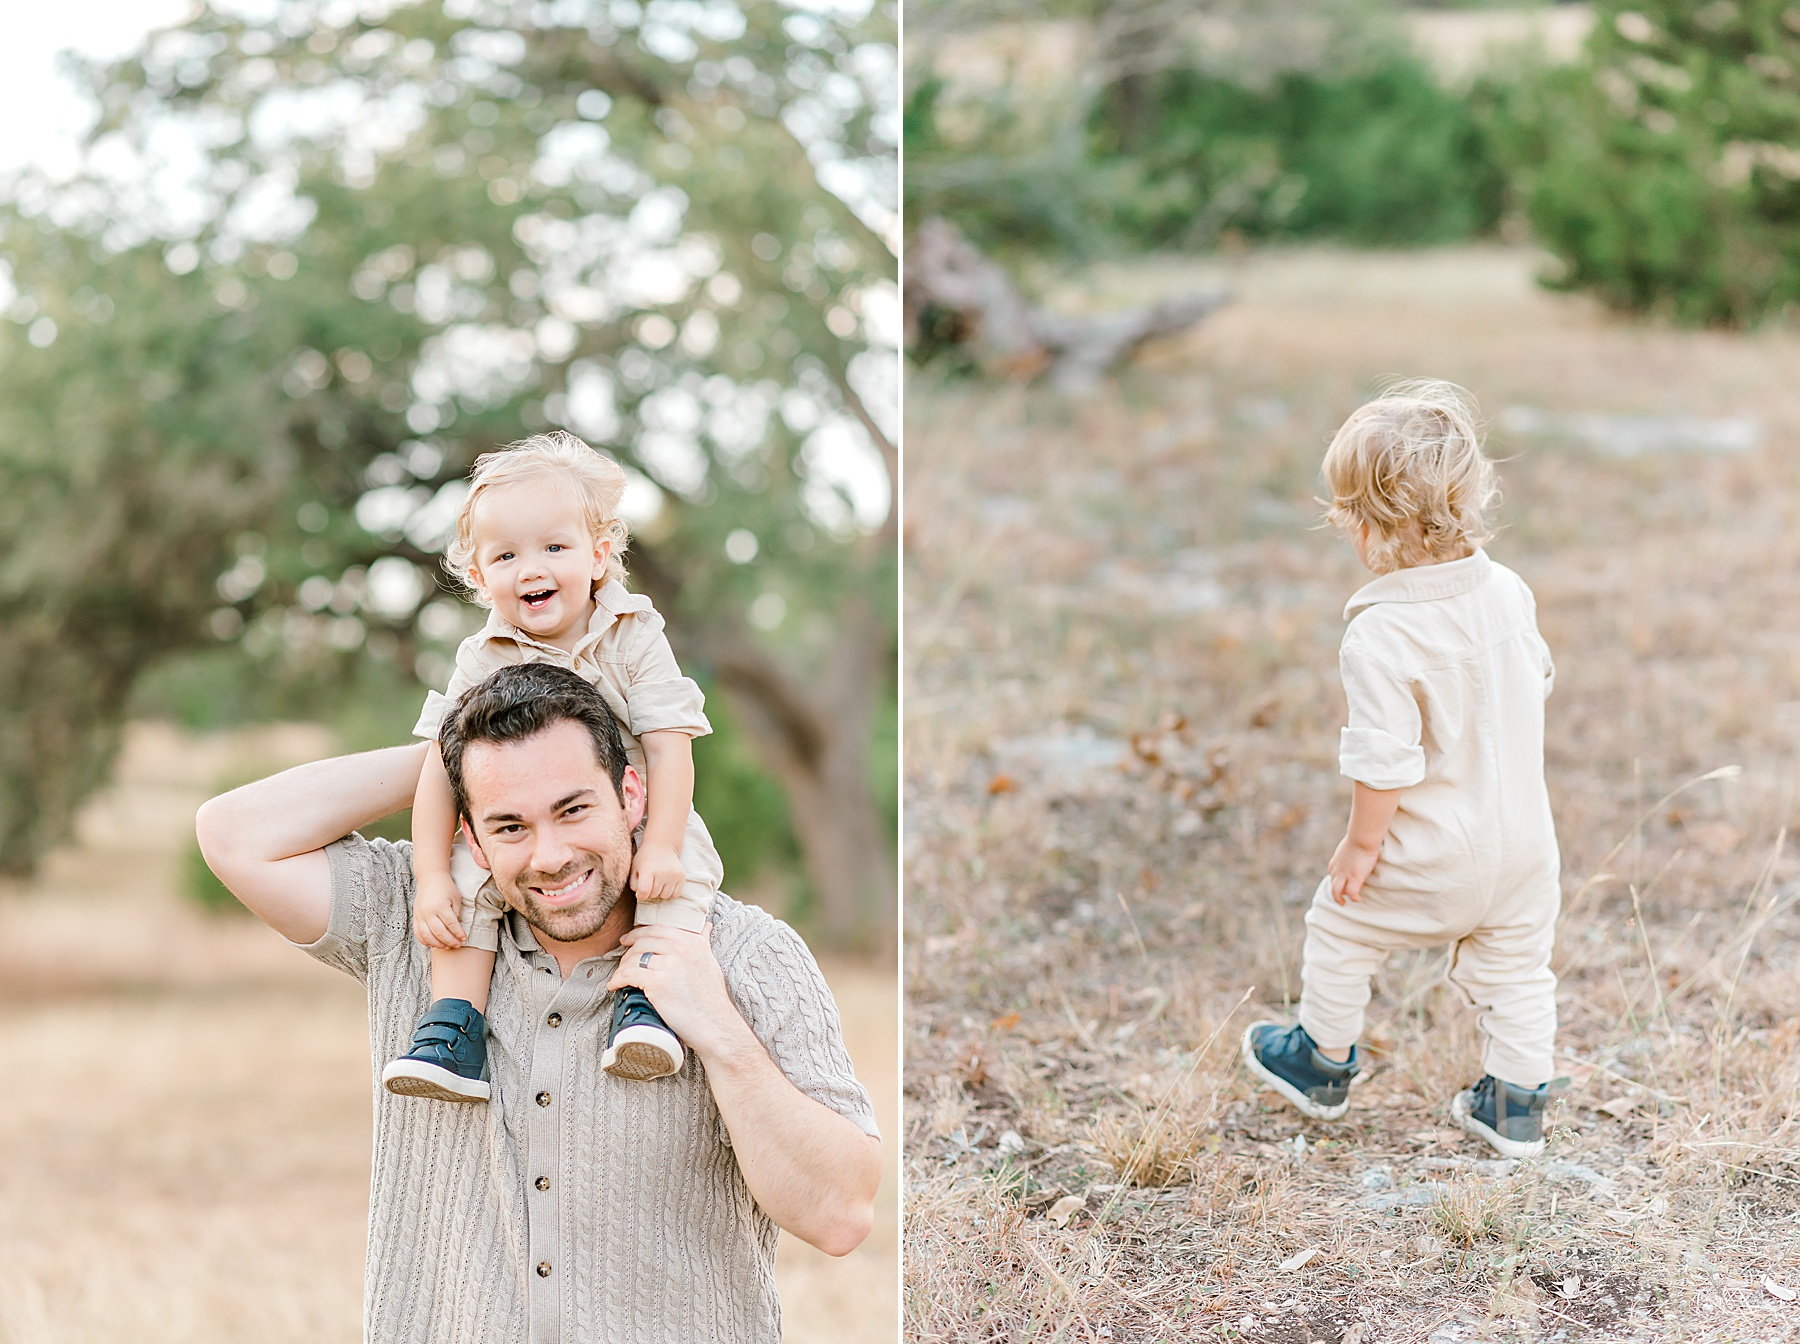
[371, 900]
[782, 994]
[1382, 745]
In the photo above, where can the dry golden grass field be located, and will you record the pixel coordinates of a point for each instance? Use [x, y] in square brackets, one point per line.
[185, 1106]
[1122, 711]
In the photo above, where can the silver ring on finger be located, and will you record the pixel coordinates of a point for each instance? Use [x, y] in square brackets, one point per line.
[644, 960]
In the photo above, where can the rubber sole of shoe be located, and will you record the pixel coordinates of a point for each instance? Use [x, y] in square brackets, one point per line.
[415, 1078]
[642, 1053]
[1467, 1122]
[1289, 1093]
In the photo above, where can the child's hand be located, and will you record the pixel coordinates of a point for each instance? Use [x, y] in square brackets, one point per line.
[436, 907]
[656, 873]
[1350, 867]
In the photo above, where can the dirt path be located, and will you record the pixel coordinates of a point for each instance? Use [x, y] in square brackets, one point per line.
[1122, 708]
[185, 1115]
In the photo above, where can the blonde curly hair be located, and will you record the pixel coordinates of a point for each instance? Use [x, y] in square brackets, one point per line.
[1408, 466]
[562, 461]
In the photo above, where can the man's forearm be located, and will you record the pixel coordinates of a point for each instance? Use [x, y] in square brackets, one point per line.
[810, 1169]
[263, 839]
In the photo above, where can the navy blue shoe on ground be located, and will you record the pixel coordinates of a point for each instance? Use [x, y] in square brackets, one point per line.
[448, 1056]
[1287, 1060]
[1510, 1119]
[640, 1044]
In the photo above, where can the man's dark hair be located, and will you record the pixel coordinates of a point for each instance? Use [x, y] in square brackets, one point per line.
[518, 702]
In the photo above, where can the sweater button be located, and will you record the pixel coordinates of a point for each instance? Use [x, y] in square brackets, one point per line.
[555, 1019]
[543, 1098]
[542, 1182]
[543, 1269]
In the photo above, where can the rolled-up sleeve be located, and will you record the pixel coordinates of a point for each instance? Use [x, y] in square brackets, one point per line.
[431, 716]
[1381, 747]
[662, 700]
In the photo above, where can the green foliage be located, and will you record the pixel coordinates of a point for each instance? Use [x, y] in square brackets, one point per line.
[1662, 170]
[1015, 175]
[236, 408]
[745, 810]
[1380, 155]
[1368, 148]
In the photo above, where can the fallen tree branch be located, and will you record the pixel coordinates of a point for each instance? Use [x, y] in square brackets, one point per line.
[956, 296]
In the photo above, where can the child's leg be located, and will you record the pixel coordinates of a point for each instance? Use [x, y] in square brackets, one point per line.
[1503, 971]
[465, 972]
[462, 973]
[689, 910]
[1339, 958]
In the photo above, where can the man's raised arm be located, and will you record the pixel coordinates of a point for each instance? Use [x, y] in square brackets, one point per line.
[265, 841]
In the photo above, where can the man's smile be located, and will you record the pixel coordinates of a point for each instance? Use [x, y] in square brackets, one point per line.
[567, 891]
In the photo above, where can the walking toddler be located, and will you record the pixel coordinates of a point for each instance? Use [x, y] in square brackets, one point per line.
[1450, 838]
[538, 540]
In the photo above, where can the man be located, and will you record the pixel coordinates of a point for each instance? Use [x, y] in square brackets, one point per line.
[576, 1206]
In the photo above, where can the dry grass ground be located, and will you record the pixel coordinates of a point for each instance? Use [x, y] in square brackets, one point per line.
[1122, 705]
[159, 1181]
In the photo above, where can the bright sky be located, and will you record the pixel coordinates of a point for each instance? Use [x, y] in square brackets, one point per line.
[41, 114]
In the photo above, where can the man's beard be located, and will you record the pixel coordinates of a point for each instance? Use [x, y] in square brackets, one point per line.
[574, 924]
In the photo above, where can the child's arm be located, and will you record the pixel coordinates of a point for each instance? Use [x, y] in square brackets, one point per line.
[1371, 813]
[656, 872]
[436, 901]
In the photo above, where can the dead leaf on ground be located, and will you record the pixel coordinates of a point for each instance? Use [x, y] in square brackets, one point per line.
[1066, 1208]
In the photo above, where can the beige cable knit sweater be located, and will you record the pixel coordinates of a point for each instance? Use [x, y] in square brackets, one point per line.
[575, 1206]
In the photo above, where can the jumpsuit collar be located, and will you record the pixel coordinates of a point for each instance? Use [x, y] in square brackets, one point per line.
[1424, 583]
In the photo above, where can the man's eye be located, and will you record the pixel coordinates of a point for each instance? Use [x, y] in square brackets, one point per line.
[575, 811]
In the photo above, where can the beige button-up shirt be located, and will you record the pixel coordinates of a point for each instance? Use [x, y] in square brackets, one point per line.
[1446, 677]
[575, 1207]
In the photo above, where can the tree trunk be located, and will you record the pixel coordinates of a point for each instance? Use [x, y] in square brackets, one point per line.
[813, 736]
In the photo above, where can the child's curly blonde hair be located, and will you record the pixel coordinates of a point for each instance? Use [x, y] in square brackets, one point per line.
[561, 461]
[1408, 466]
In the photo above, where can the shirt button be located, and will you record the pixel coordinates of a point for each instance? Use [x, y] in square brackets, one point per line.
[543, 1098]
[542, 1182]
[543, 1269]
[555, 1019]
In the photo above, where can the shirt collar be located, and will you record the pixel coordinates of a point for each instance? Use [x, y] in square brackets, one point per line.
[612, 601]
[526, 940]
[1424, 583]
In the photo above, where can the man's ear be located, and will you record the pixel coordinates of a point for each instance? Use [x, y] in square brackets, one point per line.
[474, 845]
[633, 796]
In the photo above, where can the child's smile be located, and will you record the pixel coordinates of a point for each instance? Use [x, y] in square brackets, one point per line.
[536, 561]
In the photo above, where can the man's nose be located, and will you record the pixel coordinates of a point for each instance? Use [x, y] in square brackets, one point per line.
[550, 854]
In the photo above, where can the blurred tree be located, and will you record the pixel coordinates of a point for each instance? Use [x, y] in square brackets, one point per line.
[318, 260]
[1663, 170]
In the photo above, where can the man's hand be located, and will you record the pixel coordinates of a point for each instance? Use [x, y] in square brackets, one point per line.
[437, 906]
[656, 873]
[810, 1169]
[684, 984]
[1350, 867]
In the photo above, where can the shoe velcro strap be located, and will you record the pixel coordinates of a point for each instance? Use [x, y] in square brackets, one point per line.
[463, 1019]
[438, 1034]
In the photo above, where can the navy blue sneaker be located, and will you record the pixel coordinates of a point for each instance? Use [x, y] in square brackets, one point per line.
[640, 1044]
[448, 1056]
[1287, 1060]
[1510, 1119]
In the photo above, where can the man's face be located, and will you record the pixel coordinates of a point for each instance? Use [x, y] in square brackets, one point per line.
[545, 821]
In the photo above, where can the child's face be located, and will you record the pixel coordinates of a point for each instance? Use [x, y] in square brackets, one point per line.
[536, 561]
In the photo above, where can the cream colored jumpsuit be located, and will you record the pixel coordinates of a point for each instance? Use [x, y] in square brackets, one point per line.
[1446, 676]
[626, 657]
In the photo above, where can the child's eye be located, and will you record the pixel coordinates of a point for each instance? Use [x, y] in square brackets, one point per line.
[556, 546]
[504, 555]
